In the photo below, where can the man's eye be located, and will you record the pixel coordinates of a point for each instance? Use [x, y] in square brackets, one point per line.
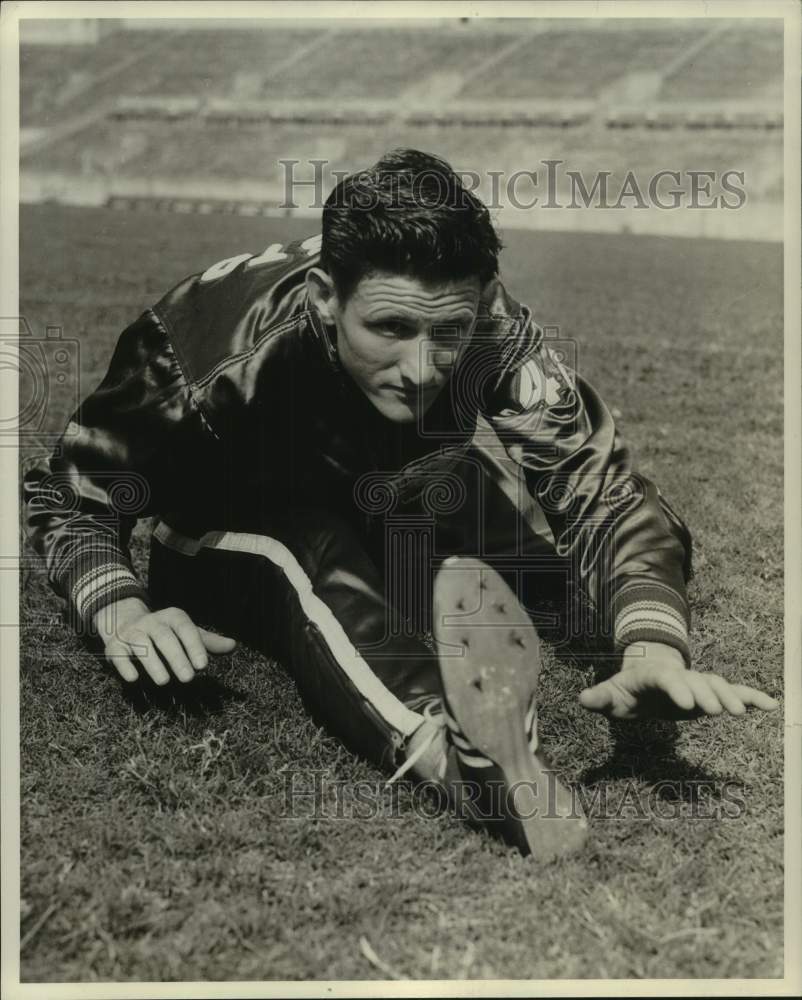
[389, 328]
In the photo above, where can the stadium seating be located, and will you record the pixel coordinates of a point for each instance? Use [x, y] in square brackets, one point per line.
[576, 63]
[229, 103]
[744, 62]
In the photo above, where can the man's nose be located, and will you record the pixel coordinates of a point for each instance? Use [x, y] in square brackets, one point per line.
[418, 365]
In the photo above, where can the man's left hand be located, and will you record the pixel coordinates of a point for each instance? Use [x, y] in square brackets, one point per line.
[654, 682]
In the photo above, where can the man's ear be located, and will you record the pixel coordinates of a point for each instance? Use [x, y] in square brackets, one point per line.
[322, 294]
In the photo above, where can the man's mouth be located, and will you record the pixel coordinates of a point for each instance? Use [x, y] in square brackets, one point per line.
[413, 394]
[412, 398]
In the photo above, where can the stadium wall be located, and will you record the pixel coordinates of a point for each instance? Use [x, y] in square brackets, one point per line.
[755, 220]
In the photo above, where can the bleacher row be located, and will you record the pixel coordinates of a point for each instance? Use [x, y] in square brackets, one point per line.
[198, 148]
[199, 206]
[223, 110]
[425, 69]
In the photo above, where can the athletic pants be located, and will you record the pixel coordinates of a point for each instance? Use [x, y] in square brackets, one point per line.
[348, 612]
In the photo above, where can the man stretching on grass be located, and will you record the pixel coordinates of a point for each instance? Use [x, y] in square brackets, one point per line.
[326, 432]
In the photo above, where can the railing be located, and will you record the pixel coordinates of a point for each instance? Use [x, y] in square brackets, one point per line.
[530, 114]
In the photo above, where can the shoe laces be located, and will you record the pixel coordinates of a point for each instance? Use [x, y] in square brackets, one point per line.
[433, 715]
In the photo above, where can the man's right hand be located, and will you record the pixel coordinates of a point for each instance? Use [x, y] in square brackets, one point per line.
[162, 643]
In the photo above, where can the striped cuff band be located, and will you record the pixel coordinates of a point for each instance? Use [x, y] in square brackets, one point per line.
[100, 586]
[648, 614]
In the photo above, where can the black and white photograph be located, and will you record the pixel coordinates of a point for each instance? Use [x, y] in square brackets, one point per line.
[401, 499]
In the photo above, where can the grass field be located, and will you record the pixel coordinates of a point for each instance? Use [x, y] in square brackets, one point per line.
[152, 841]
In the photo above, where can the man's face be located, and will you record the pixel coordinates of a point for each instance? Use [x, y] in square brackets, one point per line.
[399, 339]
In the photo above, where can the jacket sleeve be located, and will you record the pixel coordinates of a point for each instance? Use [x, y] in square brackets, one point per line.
[628, 550]
[119, 459]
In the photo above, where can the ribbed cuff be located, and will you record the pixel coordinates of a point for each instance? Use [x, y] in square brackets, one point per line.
[100, 576]
[649, 612]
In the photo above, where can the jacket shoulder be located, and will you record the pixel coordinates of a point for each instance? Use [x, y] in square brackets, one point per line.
[228, 309]
[506, 324]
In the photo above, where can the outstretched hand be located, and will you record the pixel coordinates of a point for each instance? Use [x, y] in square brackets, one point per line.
[162, 644]
[655, 683]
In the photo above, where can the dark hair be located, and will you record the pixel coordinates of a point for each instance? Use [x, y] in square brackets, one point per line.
[408, 214]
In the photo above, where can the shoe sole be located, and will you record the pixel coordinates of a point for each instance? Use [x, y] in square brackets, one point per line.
[490, 661]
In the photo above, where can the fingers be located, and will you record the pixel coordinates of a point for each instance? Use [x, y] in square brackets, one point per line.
[751, 696]
[676, 694]
[167, 643]
[162, 642]
[704, 694]
[596, 699]
[679, 691]
[217, 643]
[117, 653]
[712, 694]
[727, 695]
[611, 698]
[146, 654]
[195, 642]
[189, 634]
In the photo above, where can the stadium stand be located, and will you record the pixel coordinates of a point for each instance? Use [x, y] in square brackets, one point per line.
[384, 64]
[55, 79]
[144, 110]
[572, 63]
[463, 64]
[744, 61]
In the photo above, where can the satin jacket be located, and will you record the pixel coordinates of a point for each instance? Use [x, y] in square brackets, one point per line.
[225, 403]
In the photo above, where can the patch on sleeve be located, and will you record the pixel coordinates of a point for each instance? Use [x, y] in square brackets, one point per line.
[542, 380]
